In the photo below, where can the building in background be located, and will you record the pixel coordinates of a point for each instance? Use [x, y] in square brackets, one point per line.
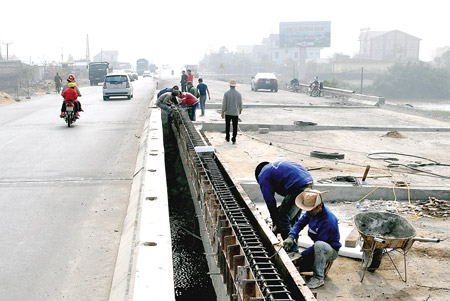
[388, 46]
[107, 56]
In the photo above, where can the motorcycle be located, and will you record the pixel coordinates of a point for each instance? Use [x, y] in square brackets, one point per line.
[295, 85]
[69, 114]
[315, 89]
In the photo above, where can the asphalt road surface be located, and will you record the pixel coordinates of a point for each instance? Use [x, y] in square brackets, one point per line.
[64, 193]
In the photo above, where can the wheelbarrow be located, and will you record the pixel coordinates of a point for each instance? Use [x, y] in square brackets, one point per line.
[382, 232]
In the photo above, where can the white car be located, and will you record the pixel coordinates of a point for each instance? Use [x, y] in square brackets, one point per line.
[117, 84]
[147, 73]
[264, 81]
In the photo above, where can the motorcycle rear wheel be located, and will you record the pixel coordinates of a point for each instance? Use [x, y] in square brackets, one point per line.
[69, 121]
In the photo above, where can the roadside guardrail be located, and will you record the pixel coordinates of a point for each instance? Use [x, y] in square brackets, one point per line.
[342, 93]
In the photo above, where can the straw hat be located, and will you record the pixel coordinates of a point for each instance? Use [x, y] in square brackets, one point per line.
[233, 83]
[310, 198]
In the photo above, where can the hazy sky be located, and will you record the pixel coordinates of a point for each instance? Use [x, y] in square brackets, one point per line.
[180, 32]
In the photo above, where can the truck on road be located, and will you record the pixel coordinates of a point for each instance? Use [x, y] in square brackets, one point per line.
[141, 66]
[97, 72]
[193, 68]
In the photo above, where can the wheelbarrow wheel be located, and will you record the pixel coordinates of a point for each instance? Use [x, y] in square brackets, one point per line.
[376, 260]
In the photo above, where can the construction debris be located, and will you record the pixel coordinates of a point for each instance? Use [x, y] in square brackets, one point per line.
[431, 208]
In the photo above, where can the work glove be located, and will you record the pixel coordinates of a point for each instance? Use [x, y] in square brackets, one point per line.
[288, 244]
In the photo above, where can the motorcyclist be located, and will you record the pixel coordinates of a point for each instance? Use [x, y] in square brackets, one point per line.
[314, 83]
[69, 94]
[71, 79]
[295, 84]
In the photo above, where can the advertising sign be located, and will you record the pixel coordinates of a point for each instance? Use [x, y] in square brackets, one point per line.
[305, 34]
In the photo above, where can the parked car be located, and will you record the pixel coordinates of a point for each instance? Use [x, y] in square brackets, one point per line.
[147, 73]
[264, 81]
[117, 84]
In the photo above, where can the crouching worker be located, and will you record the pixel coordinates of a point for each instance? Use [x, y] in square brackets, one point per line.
[323, 230]
[166, 100]
[70, 94]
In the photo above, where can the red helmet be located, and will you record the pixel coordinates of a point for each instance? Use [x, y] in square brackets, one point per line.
[71, 78]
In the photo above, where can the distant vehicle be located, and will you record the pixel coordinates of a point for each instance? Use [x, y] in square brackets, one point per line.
[264, 81]
[141, 66]
[133, 75]
[193, 68]
[117, 84]
[97, 72]
[152, 68]
[147, 73]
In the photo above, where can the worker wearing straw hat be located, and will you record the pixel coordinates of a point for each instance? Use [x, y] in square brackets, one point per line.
[323, 230]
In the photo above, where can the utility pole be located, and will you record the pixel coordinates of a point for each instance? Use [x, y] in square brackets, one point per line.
[7, 49]
[87, 49]
[362, 79]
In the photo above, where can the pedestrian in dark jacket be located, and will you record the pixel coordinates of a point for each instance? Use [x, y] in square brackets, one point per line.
[183, 81]
[58, 82]
[324, 232]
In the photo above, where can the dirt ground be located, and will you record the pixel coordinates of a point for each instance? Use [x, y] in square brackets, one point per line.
[427, 263]
[5, 98]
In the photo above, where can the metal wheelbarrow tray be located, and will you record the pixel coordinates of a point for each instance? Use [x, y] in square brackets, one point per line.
[381, 231]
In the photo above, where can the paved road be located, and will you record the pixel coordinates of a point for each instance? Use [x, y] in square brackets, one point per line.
[64, 193]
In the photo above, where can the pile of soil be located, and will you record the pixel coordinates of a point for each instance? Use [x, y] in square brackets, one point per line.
[5, 98]
[394, 134]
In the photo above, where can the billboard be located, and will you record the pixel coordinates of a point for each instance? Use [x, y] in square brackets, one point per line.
[305, 34]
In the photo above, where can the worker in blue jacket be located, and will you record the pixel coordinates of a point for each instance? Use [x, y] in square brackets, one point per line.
[324, 232]
[165, 90]
[287, 179]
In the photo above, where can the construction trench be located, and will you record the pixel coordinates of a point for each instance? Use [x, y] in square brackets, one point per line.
[200, 191]
[242, 252]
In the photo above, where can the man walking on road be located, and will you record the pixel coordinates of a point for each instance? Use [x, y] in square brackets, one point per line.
[202, 89]
[231, 108]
